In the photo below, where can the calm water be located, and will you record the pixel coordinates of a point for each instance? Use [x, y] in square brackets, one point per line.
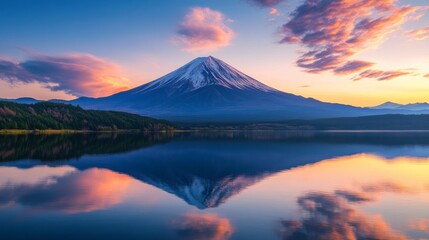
[231, 185]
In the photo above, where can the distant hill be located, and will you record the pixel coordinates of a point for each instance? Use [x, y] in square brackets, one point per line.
[57, 116]
[25, 100]
[404, 107]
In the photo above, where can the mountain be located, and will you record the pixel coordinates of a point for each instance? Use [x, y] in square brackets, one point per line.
[422, 107]
[24, 100]
[387, 105]
[48, 115]
[208, 89]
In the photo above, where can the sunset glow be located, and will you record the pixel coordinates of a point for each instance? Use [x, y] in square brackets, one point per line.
[360, 53]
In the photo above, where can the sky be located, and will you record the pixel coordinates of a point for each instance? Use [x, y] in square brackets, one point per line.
[362, 53]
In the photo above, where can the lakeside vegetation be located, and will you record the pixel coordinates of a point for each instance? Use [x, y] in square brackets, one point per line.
[48, 117]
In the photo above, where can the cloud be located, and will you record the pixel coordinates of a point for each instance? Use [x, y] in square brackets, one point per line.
[266, 3]
[421, 224]
[426, 76]
[204, 227]
[274, 12]
[328, 216]
[77, 74]
[204, 29]
[420, 34]
[332, 32]
[353, 66]
[381, 75]
[354, 197]
[76, 192]
[386, 187]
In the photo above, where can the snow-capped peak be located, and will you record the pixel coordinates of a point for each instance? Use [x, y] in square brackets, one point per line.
[206, 71]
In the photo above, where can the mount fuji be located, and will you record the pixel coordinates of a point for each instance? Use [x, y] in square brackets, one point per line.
[208, 89]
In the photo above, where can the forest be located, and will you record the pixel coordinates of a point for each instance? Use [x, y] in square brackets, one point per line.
[57, 116]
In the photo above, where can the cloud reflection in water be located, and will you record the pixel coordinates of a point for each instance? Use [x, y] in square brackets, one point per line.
[74, 192]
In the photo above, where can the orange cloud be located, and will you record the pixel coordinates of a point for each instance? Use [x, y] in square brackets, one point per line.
[204, 29]
[77, 74]
[334, 31]
[420, 34]
[76, 192]
[204, 227]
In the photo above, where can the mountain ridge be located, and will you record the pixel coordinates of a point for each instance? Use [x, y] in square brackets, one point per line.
[418, 106]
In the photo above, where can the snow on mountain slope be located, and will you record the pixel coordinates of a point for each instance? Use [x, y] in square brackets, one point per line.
[202, 72]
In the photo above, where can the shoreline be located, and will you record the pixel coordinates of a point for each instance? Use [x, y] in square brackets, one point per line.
[71, 131]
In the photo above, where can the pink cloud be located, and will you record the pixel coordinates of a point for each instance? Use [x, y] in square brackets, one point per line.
[77, 74]
[332, 32]
[381, 75]
[204, 29]
[420, 34]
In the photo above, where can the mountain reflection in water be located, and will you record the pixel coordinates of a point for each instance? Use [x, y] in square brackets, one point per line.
[239, 185]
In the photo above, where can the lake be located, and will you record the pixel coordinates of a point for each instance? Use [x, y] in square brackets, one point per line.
[215, 185]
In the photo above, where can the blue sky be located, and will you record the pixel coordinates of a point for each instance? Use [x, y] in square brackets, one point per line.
[141, 38]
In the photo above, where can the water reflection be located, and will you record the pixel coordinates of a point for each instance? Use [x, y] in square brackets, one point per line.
[69, 146]
[239, 185]
[347, 186]
[195, 226]
[331, 216]
[69, 191]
